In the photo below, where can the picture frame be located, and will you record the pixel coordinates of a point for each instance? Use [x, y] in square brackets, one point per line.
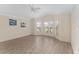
[23, 24]
[12, 22]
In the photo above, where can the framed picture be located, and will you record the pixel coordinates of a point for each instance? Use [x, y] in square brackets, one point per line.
[12, 22]
[23, 24]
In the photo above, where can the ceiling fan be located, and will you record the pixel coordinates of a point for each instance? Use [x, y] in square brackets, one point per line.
[34, 9]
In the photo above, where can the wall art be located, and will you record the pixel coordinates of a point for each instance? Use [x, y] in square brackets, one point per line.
[23, 24]
[12, 22]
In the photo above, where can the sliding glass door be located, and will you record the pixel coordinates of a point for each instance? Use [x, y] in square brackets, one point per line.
[46, 27]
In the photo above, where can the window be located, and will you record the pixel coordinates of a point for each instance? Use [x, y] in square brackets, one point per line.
[38, 25]
[46, 24]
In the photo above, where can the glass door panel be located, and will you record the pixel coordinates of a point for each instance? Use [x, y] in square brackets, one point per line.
[38, 26]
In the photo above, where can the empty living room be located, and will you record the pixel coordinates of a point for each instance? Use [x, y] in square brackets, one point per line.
[39, 28]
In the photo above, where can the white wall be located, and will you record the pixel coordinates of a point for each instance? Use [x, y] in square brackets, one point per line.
[75, 29]
[8, 32]
[20, 12]
[63, 29]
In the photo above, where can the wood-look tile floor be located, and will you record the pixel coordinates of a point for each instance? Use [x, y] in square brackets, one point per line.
[35, 45]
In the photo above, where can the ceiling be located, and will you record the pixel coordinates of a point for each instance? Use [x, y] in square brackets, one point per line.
[52, 9]
[25, 9]
[14, 9]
